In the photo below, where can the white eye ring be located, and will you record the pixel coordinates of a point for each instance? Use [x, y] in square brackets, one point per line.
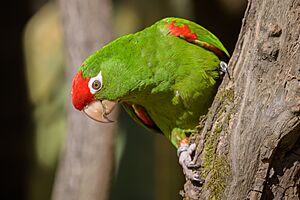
[95, 83]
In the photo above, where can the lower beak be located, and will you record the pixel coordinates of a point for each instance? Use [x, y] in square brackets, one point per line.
[98, 110]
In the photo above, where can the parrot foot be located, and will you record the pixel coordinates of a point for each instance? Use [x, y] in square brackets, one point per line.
[224, 68]
[184, 153]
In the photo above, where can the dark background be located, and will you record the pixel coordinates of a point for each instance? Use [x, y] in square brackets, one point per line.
[15, 117]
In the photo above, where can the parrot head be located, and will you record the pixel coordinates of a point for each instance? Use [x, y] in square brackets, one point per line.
[87, 92]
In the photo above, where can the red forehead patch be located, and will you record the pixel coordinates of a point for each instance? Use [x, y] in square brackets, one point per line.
[182, 31]
[81, 95]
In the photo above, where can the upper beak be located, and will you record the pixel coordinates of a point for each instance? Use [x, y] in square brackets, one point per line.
[98, 110]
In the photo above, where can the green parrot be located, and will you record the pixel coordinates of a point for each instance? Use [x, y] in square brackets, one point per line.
[165, 77]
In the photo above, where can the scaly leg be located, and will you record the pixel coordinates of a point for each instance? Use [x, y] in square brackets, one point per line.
[185, 150]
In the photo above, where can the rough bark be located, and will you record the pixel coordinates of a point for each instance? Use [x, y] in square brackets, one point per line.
[249, 145]
[85, 168]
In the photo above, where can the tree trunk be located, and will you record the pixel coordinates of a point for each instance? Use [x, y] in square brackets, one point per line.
[249, 145]
[86, 166]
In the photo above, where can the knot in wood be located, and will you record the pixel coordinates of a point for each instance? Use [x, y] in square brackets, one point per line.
[274, 30]
[269, 51]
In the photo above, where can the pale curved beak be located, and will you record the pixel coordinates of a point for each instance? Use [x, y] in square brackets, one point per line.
[98, 110]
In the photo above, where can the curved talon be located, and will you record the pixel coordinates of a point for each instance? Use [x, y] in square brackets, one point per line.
[192, 164]
[198, 178]
[224, 68]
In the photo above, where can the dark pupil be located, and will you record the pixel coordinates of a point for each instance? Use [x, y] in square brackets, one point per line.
[96, 85]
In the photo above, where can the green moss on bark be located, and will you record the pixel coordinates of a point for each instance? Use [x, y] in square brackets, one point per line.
[216, 168]
[225, 94]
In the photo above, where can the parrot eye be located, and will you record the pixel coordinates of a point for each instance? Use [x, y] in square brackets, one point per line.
[95, 83]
